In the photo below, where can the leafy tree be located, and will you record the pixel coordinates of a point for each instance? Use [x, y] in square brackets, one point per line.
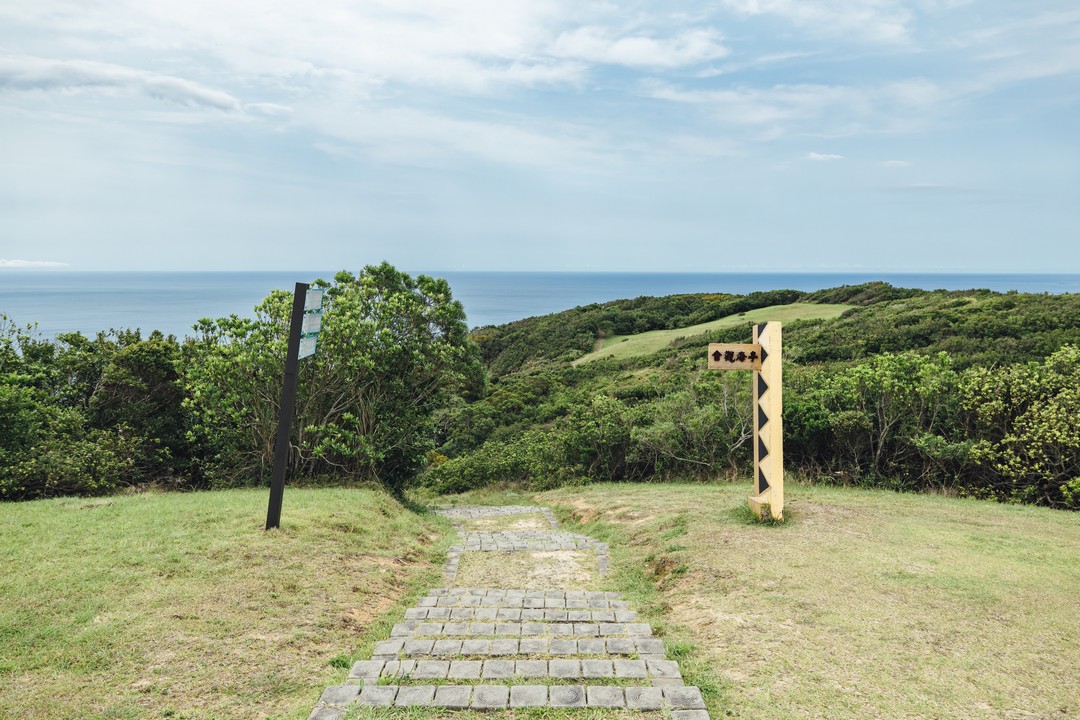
[1025, 420]
[392, 349]
[140, 388]
[877, 410]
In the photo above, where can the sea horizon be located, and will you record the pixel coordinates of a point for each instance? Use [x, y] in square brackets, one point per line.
[61, 300]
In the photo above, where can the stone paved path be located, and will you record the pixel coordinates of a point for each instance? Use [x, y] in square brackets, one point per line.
[498, 649]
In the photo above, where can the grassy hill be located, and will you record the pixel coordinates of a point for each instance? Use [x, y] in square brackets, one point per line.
[621, 347]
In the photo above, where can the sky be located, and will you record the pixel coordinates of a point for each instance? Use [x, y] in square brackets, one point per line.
[722, 136]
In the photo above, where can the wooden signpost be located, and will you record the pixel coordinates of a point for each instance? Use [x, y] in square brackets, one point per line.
[763, 357]
[304, 327]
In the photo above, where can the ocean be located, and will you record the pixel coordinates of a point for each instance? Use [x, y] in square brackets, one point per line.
[68, 301]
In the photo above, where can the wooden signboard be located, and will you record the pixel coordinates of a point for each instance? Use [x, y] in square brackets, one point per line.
[726, 356]
[763, 357]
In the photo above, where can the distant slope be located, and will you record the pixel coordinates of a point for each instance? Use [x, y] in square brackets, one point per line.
[621, 347]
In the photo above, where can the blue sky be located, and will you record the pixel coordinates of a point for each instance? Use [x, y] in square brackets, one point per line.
[792, 135]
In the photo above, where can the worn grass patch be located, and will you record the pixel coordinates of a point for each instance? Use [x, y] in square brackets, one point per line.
[181, 605]
[646, 343]
[546, 570]
[865, 604]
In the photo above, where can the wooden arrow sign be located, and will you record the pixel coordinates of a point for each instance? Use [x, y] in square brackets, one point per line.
[764, 357]
[729, 356]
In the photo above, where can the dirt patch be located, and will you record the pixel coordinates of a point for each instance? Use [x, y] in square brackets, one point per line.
[557, 570]
[522, 521]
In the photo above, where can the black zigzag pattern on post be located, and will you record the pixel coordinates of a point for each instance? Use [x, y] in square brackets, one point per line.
[763, 484]
[762, 386]
[762, 418]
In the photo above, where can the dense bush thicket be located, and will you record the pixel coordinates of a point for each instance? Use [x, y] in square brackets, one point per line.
[968, 392]
[81, 415]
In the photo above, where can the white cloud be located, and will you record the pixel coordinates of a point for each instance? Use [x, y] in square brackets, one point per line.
[823, 110]
[597, 44]
[823, 157]
[402, 135]
[33, 73]
[272, 109]
[872, 21]
[760, 106]
[31, 264]
[753, 64]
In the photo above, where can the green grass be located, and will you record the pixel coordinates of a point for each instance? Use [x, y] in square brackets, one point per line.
[622, 347]
[865, 604]
[181, 605]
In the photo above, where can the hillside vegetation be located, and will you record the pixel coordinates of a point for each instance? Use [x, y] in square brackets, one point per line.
[970, 392]
[621, 347]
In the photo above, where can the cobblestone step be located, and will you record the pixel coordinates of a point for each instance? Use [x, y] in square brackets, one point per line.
[413, 647]
[370, 671]
[643, 647]
[537, 614]
[683, 702]
[497, 598]
[420, 628]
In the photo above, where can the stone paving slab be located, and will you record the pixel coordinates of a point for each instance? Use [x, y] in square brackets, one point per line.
[453, 697]
[566, 696]
[378, 695]
[644, 698]
[603, 696]
[416, 695]
[528, 696]
[490, 697]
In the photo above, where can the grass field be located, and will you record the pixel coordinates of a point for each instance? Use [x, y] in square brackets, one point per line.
[627, 346]
[182, 606]
[867, 604]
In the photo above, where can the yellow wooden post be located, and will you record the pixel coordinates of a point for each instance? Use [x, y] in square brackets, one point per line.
[764, 357]
[768, 393]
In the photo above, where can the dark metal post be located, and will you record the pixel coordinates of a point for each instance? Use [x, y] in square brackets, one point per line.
[288, 403]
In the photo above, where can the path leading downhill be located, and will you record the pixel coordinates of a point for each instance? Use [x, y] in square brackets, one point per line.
[493, 648]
